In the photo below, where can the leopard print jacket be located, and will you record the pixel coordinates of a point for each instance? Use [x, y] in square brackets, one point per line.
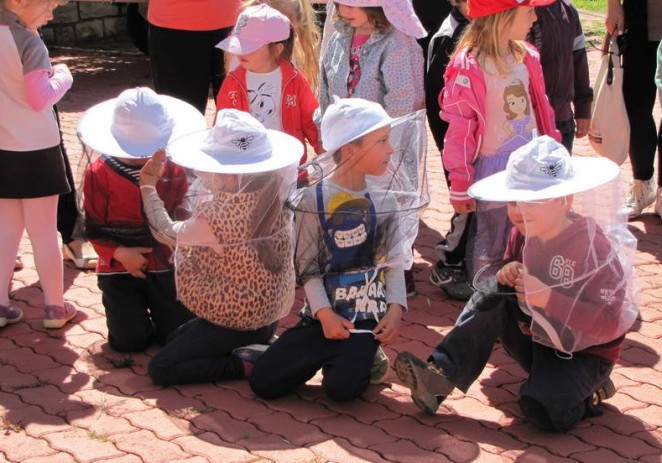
[249, 283]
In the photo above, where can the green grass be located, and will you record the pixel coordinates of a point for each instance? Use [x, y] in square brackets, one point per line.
[599, 6]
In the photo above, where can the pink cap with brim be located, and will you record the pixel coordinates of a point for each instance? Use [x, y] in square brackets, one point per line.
[479, 8]
[256, 27]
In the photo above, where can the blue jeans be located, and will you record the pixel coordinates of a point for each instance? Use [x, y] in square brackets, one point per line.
[557, 393]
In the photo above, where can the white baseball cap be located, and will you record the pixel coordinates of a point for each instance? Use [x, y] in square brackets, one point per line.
[137, 123]
[543, 169]
[256, 26]
[237, 144]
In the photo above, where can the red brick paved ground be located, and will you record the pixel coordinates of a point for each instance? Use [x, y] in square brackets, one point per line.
[65, 397]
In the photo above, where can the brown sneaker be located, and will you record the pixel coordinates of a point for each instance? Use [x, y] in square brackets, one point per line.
[429, 386]
[57, 317]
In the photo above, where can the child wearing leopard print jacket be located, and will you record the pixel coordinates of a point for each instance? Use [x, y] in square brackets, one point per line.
[233, 256]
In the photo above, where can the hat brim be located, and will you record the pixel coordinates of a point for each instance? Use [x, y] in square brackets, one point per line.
[94, 128]
[590, 172]
[238, 47]
[383, 123]
[186, 151]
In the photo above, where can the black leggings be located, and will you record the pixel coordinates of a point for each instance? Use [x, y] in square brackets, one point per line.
[67, 207]
[185, 63]
[639, 90]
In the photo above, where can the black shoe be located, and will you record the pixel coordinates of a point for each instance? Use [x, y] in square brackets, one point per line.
[410, 284]
[453, 280]
[604, 392]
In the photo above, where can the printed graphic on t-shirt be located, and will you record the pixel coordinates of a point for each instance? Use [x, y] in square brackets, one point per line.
[263, 104]
[509, 112]
[264, 94]
[356, 290]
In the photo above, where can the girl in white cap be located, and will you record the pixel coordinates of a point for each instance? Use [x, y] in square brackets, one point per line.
[134, 271]
[373, 54]
[266, 84]
[32, 171]
[354, 228]
[233, 257]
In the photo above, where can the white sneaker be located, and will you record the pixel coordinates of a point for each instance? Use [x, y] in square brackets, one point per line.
[642, 195]
[658, 203]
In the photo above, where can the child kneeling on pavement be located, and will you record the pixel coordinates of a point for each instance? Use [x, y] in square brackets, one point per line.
[562, 300]
[134, 271]
[354, 234]
[233, 256]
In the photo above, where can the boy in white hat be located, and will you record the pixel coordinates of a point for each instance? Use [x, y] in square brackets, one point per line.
[233, 257]
[353, 243]
[561, 303]
[134, 271]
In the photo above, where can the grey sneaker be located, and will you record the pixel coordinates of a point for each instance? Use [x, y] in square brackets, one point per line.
[642, 195]
[452, 279]
[57, 317]
[604, 392]
[379, 370]
[10, 315]
[429, 386]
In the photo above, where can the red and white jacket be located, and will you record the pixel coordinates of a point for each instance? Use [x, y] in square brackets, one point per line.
[462, 104]
[297, 104]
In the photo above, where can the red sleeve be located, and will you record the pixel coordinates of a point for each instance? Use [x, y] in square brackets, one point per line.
[95, 190]
[309, 104]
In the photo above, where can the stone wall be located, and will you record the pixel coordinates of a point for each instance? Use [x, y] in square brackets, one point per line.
[79, 22]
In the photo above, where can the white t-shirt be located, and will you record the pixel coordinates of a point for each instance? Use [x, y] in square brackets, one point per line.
[264, 93]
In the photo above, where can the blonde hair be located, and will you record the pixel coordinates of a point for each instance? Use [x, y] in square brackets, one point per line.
[307, 35]
[483, 36]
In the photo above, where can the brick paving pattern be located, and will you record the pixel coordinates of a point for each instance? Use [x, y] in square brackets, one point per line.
[66, 397]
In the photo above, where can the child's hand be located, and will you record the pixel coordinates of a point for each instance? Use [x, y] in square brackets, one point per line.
[507, 275]
[465, 208]
[133, 260]
[333, 325]
[388, 329]
[153, 169]
[532, 290]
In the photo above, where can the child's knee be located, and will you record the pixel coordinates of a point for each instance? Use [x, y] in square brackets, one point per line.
[129, 343]
[161, 371]
[544, 417]
[343, 390]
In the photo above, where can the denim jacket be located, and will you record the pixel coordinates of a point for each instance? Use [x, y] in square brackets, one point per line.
[391, 70]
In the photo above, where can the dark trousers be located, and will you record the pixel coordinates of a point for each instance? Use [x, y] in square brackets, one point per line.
[67, 207]
[201, 352]
[139, 310]
[557, 393]
[185, 63]
[567, 129]
[639, 90]
[301, 351]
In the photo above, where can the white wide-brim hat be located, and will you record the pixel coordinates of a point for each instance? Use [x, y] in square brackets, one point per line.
[543, 169]
[237, 144]
[137, 123]
[348, 119]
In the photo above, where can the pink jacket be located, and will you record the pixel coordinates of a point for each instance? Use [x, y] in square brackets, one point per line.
[297, 103]
[462, 105]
